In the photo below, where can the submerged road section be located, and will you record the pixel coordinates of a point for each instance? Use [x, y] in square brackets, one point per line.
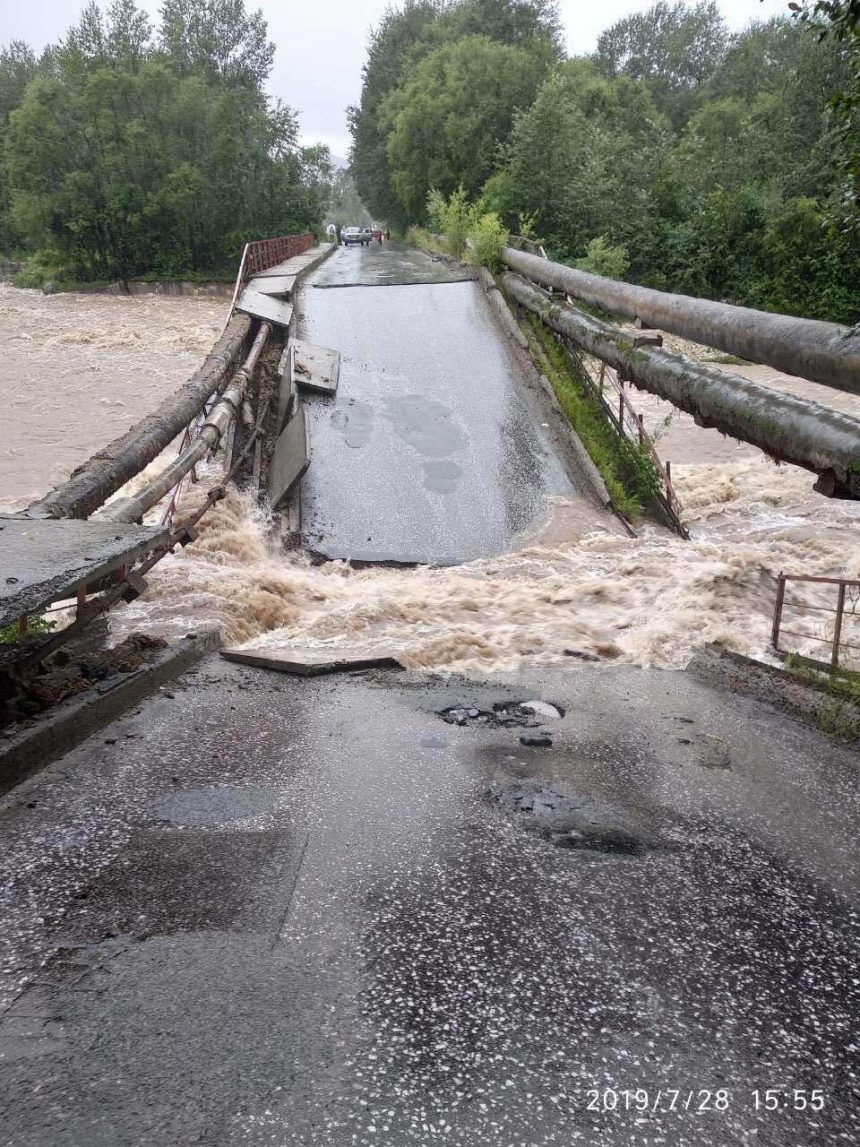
[435, 449]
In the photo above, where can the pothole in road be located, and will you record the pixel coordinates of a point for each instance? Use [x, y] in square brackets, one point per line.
[504, 714]
[570, 820]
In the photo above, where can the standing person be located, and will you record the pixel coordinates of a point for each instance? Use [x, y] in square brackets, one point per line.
[331, 232]
[339, 233]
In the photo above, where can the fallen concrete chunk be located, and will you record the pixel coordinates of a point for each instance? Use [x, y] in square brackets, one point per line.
[265, 307]
[291, 458]
[305, 664]
[273, 284]
[315, 367]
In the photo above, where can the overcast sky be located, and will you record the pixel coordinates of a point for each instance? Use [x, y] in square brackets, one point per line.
[321, 44]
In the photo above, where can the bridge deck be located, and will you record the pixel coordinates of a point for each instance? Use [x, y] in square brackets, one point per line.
[46, 559]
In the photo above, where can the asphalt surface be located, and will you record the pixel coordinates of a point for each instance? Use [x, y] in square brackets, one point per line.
[435, 449]
[264, 911]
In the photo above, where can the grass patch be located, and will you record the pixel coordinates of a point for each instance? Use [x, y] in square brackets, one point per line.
[837, 714]
[11, 634]
[426, 240]
[631, 478]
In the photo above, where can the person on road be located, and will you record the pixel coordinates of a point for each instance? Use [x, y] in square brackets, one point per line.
[339, 232]
[331, 232]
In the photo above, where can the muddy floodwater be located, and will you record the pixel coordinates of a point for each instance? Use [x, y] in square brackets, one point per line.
[77, 370]
[558, 597]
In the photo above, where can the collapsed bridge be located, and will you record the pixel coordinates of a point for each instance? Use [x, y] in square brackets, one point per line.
[244, 400]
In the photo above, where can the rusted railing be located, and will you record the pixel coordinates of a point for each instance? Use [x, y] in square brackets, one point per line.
[846, 608]
[261, 254]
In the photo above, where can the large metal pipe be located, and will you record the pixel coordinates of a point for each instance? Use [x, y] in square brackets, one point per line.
[95, 480]
[791, 429]
[224, 411]
[821, 352]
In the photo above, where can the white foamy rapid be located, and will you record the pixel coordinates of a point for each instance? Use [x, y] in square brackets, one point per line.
[649, 600]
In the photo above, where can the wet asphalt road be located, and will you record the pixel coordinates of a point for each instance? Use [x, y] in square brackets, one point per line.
[434, 449]
[267, 911]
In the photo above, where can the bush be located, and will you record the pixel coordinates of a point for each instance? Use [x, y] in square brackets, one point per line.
[487, 237]
[601, 258]
[452, 218]
[43, 267]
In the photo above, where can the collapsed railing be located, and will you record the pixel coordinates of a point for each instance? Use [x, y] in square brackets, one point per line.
[202, 411]
[785, 427]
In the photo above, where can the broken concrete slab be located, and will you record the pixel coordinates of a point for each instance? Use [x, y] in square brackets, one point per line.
[315, 367]
[268, 284]
[265, 307]
[306, 664]
[46, 559]
[288, 392]
[290, 459]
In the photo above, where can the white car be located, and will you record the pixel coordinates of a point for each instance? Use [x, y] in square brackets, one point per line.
[352, 235]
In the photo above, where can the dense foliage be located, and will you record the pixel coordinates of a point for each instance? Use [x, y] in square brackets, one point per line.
[717, 164]
[128, 151]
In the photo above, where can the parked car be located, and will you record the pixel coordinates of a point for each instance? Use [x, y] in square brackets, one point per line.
[353, 235]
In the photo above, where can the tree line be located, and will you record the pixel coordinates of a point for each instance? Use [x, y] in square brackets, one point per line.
[677, 154]
[128, 149]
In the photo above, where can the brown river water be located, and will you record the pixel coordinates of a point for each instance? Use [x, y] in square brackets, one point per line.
[649, 600]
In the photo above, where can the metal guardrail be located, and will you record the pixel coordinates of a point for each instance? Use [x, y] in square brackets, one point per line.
[847, 607]
[630, 423]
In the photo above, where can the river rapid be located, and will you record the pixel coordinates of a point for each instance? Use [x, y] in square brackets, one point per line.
[559, 598]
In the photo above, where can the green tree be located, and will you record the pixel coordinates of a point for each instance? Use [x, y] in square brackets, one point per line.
[18, 66]
[217, 37]
[839, 20]
[345, 205]
[584, 160]
[392, 44]
[446, 121]
[125, 159]
[674, 48]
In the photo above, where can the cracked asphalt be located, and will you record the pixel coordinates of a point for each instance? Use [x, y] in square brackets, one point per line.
[279, 911]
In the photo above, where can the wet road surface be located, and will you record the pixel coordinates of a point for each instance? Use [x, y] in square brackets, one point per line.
[434, 449]
[263, 911]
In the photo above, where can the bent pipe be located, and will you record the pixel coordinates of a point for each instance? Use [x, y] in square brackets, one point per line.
[223, 413]
[93, 482]
[791, 429]
[818, 351]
